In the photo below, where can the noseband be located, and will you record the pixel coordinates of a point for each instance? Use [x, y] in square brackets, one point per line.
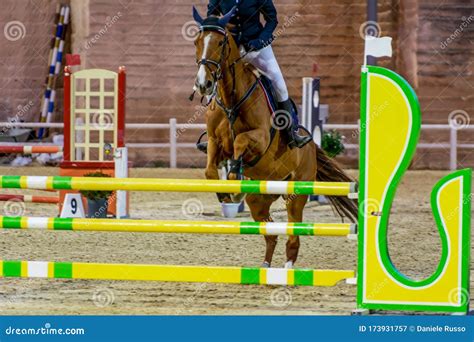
[217, 73]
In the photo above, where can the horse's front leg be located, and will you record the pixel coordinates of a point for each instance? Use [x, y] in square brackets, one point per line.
[248, 145]
[212, 154]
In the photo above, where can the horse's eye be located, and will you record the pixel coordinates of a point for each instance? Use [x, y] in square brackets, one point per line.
[221, 43]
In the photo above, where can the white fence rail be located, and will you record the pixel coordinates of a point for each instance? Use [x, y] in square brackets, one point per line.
[176, 130]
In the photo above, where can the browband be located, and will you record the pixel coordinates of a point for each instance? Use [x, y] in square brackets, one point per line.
[214, 28]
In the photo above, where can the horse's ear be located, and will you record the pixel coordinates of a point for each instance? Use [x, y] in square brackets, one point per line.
[226, 18]
[197, 17]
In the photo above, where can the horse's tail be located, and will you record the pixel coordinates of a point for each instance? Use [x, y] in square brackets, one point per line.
[328, 170]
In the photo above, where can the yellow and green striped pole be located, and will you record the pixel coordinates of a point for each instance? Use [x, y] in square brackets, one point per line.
[201, 274]
[178, 185]
[197, 227]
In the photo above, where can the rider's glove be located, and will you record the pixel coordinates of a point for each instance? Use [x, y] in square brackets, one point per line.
[256, 44]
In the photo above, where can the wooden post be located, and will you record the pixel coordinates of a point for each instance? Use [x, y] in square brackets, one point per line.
[371, 16]
[67, 114]
[122, 87]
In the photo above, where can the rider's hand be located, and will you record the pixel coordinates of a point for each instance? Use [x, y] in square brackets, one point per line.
[256, 44]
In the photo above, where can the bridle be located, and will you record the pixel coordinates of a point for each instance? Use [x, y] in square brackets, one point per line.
[217, 73]
[233, 111]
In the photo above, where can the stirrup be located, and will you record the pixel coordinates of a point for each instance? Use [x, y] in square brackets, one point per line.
[202, 146]
[298, 140]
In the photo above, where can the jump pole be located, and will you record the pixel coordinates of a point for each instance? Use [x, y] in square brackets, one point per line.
[201, 274]
[194, 227]
[178, 185]
[29, 198]
[30, 149]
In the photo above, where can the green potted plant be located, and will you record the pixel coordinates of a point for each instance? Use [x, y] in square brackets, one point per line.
[97, 201]
[332, 143]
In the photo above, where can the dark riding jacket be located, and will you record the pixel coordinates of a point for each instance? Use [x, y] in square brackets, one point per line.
[248, 30]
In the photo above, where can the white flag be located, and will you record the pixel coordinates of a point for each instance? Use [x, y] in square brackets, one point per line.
[378, 47]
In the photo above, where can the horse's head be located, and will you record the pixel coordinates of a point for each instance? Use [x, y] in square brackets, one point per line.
[211, 50]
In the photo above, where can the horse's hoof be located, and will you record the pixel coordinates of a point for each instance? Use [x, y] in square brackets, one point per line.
[237, 198]
[265, 264]
[235, 167]
[289, 264]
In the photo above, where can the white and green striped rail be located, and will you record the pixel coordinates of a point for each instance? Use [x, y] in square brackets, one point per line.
[202, 274]
[179, 185]
[195, 227]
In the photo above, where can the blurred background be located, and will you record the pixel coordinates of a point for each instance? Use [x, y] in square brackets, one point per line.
[433, 49]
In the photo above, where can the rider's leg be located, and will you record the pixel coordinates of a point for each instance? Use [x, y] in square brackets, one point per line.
[265, 60]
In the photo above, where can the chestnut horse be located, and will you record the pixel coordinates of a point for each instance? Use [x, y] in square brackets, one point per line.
[239, 127]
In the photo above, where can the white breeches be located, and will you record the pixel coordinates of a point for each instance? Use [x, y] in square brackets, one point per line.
[265, 61]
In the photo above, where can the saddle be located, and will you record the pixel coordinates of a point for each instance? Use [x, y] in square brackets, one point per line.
[268, 89]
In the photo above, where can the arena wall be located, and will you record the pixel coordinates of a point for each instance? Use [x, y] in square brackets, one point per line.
[316, 38]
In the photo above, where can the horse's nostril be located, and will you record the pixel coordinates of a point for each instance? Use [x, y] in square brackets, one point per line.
[208, 84]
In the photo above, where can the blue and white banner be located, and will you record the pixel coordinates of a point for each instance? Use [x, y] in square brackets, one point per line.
[241, 329]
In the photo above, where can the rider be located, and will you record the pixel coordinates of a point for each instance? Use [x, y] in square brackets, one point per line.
[255, 39]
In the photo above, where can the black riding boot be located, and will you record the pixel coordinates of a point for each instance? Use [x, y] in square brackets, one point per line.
[291, 128]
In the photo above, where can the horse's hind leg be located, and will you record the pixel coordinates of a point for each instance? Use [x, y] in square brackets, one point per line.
[260, 209]
[294, 205]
